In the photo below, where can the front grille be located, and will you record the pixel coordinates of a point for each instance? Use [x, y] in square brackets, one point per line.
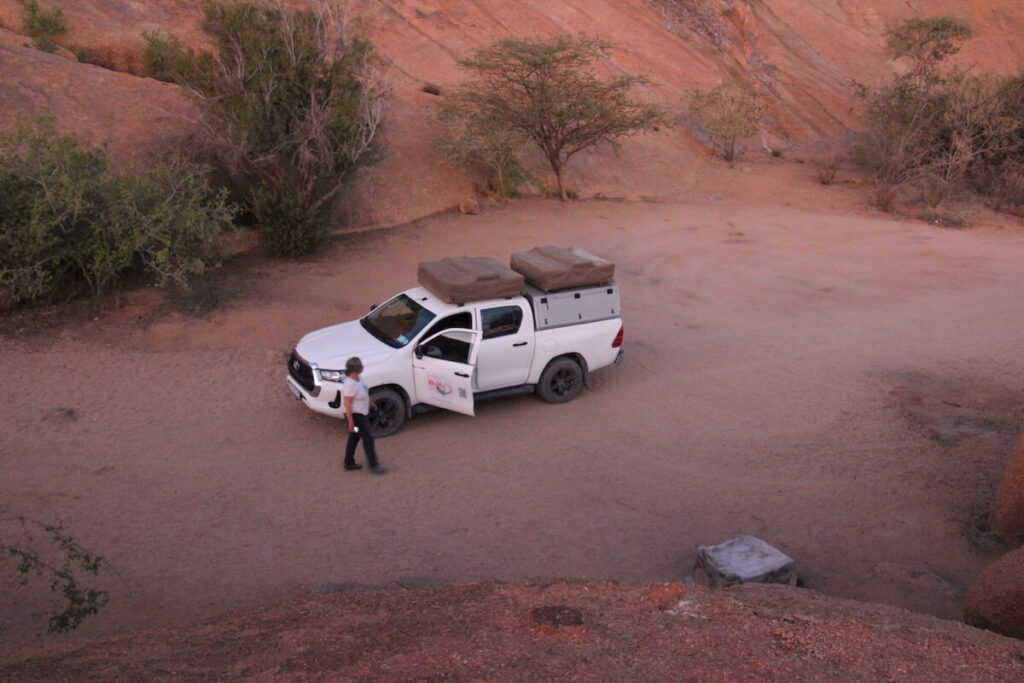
[301, 372]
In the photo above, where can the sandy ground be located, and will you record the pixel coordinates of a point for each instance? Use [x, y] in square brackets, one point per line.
[845, 385]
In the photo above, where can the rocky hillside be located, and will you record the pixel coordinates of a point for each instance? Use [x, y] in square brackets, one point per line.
[804, 56]
[548, 631]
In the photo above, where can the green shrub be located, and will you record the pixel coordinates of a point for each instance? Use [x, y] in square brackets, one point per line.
[293, 95]
[290, 228]
[41, 26]
[476, 140]
[70, 224]
[727, 114]
[165, 58]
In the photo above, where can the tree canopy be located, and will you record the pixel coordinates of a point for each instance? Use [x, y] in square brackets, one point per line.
[545, 90]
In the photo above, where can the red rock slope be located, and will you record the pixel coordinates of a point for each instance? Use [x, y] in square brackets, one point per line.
[548, 631]
[804, 55]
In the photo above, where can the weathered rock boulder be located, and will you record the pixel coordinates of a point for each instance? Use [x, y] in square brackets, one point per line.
[469, 206]
[1008, 513]
[995, 600]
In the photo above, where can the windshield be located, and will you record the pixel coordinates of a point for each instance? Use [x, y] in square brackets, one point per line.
[397, 321]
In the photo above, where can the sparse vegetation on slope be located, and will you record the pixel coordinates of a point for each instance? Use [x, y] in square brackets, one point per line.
[42, 27]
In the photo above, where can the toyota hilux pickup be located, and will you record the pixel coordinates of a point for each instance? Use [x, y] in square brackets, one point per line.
[473, 329]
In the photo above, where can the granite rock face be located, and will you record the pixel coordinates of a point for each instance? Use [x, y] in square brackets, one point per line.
[995, 601]
[135, 118]
[1008, 513]
[804, 56]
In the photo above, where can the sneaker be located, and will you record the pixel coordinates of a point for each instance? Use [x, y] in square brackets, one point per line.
[377, 469]
[353, 466]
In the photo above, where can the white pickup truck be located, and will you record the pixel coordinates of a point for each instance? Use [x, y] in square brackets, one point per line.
[473, 329]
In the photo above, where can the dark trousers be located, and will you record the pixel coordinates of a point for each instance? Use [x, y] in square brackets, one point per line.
[363, 425]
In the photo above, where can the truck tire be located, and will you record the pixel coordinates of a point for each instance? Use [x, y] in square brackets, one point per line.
[561, 380]
[390, 414]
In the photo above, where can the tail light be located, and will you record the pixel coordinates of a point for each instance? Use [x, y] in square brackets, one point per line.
[618, 338]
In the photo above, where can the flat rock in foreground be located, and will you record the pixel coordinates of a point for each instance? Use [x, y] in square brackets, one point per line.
[746, 559]
[548, 630]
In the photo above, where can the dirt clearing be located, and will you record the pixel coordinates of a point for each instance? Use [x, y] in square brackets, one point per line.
[847, 387]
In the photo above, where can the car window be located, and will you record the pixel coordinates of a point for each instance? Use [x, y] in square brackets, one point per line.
[500, 321]
[452, 346]
[397, 321]
[462, 320]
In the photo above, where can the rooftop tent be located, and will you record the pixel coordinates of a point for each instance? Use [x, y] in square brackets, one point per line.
[460, 279]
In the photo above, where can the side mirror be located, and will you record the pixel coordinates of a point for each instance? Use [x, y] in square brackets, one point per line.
[418, 351]
[373, 307]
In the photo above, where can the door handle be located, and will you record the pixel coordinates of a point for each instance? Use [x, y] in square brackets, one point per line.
[461, 374]
[519, 344]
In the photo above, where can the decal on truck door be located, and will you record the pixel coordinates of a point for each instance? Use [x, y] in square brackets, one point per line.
[439, 388]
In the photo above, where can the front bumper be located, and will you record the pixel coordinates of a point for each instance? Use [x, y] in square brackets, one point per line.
[328, 400]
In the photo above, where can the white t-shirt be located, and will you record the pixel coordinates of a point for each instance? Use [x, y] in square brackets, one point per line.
[359, 393]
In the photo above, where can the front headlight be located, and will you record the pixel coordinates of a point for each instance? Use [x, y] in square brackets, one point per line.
[332, 375]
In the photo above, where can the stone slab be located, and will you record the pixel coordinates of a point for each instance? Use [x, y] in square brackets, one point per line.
[746, 559]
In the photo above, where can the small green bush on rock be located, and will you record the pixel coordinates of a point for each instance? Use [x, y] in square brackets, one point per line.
[41, 26]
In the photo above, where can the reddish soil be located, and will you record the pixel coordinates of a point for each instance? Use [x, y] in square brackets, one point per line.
[548, 630]
[845, 385]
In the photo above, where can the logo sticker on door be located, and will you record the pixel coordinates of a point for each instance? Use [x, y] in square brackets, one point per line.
[439, 388]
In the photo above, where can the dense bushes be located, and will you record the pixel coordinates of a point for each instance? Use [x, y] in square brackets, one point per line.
[935, 131]
[295, 104]
[70, 224]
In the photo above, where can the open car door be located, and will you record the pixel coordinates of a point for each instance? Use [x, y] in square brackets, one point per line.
[443, 368]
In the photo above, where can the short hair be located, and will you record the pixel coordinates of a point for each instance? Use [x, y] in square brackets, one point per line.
[353, 364]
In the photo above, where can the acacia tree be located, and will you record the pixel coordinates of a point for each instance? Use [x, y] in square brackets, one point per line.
[545, 90]
[925, 43]
[727, 114]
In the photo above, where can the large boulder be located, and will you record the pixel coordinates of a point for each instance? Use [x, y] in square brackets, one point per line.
[996, 599]
[1008, 513]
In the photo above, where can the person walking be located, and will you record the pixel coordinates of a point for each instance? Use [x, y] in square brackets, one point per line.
[357, 406]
